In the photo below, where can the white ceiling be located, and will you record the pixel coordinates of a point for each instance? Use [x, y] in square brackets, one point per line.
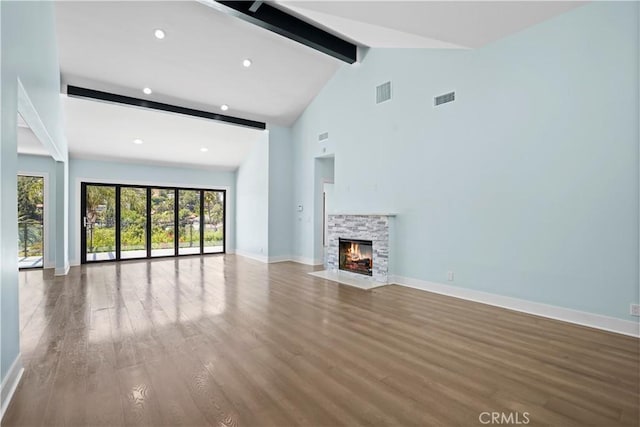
[427, 24]
[110, 46]
[28, 142]
[99, 130]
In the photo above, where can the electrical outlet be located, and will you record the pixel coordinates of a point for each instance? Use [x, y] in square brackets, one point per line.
[635, 310]
[450, 276]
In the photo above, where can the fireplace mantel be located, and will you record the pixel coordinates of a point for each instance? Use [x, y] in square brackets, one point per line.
[362, 214]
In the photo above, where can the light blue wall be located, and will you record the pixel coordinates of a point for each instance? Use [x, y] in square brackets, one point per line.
[305, 148]
[29, 53]
[525, 186]
[281, 206]
[62, 217]
[46, 166]
[129, 173]
[252, 202]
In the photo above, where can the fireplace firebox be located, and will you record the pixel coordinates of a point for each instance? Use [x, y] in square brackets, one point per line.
[356, 256]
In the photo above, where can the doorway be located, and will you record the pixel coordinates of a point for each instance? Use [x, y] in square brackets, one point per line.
[324, 173]
[30, 221]
[327, 206]
[121, 222]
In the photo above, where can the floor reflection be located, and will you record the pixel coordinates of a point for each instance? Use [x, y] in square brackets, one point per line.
[225, 340]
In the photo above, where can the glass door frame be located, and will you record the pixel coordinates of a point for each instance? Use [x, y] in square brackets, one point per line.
[45, 222]
[176, 209]
[148, 231]
[83, 221]
[147, 243]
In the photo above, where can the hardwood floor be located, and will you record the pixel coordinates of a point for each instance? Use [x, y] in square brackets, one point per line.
[225, 341]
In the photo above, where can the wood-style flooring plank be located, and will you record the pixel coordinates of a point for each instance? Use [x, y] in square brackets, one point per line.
[228, 341]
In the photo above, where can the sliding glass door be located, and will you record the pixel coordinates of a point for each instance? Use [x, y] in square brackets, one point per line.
[132, 222]
[213, 218]
[100, 222]
[189, 219]
[163, 222]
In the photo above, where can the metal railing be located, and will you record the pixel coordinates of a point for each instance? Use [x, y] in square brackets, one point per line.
[30, 238]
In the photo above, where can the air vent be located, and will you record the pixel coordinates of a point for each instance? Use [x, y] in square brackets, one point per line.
[383, 92]
[443, 99]
[323, 136]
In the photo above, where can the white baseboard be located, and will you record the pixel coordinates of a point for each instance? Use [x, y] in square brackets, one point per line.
[281, 258]
[10, 383]
[583, 318]
[257, 257]
[307, 261]
[263, 258]
[62, 271]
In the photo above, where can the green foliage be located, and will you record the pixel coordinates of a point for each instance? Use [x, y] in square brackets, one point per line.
[162, 238]
[213, 238]
[133, 218]
[104, 240]
[101, 212]
[213, 207]
[30, 215]
[30, 198]
[29, 239]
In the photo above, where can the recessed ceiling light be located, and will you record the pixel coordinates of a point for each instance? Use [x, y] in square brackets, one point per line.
[247, 63]
[147, 91]
[204, 149]
[138, 141]
[159, 34]
[224, 107]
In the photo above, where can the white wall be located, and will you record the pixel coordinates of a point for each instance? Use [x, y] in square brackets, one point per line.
[252, 202]
[526, 186]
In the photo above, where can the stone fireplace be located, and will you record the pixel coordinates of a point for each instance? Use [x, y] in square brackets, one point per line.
[358, 248]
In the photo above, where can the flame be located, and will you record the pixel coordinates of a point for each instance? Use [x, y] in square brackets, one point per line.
[354, 251]
[357, 257]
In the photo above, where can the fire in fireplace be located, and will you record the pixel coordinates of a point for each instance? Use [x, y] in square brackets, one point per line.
[356, 256]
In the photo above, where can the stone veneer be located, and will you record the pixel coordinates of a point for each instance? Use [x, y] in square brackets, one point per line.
[361, 227]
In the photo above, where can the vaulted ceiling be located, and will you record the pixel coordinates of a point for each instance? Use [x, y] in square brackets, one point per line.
[427, 24]
[110, 46]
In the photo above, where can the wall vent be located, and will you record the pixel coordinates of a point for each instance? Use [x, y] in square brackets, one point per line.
[443, 99]
[323, 136]
[383, 92]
